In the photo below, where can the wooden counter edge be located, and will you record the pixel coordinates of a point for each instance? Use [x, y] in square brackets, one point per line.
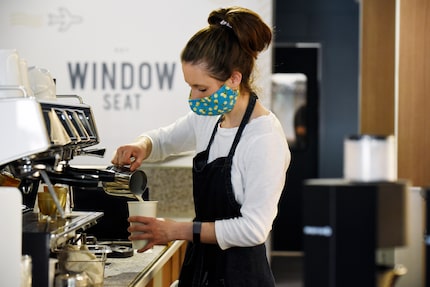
[145, 277]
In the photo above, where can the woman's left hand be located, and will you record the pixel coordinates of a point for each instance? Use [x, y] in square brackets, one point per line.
[155, 230]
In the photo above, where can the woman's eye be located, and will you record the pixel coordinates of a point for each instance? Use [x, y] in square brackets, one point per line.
[202, 90]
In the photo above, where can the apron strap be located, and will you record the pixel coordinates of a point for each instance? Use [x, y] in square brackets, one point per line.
[249, 109]
[214, 132]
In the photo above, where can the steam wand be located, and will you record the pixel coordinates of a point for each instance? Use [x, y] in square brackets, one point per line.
[52, 192]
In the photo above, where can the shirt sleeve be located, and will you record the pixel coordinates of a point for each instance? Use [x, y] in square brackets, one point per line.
[172, 139]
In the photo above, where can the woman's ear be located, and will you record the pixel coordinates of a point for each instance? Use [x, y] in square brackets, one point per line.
[235, 80]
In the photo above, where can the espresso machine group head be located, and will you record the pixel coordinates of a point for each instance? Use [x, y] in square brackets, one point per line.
[39, 139]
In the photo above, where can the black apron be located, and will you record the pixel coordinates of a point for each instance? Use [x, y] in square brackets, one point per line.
[208, 264]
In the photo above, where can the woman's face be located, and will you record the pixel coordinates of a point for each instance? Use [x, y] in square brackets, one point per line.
[201, 83]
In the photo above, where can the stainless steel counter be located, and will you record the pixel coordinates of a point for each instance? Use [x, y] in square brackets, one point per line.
[139, 269]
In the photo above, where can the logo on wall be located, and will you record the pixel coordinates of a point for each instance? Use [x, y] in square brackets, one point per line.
[124, 83]
[64, 19]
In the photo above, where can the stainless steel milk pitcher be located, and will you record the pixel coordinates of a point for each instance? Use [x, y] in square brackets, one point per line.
[126, 182]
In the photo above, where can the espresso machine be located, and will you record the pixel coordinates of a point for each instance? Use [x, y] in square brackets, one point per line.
[39, 139]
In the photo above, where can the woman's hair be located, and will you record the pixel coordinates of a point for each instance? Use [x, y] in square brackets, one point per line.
[232, 41]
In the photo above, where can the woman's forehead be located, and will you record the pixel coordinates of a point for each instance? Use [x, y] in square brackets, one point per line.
[197, 74]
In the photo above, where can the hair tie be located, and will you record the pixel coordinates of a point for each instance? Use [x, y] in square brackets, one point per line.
[225, 23]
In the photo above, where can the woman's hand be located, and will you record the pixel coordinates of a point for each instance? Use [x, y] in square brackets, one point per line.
[155, 230]
[162, 231]
[133, 154]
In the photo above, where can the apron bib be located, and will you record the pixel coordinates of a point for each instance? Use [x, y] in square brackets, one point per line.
[207, 264]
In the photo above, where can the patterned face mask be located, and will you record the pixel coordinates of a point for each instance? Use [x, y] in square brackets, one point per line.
[220, 102]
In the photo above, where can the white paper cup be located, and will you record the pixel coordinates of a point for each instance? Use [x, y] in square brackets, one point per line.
[42, 83]
[141, 208]
[370, 158]
[10, 73]
[24, 77]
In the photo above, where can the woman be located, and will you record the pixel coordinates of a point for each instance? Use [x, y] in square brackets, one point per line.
[241, 157]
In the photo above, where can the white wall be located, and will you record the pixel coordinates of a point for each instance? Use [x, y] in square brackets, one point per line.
[137, 37]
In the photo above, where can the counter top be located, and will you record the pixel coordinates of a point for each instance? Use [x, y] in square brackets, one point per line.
[183, 160]
[139, 269]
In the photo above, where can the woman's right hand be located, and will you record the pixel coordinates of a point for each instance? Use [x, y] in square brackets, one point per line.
[132, 154]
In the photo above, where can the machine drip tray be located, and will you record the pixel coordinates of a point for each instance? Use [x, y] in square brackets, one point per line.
[120, 249]
[62, 226]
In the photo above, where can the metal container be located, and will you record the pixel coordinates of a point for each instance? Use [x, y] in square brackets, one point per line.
[87, 260]
[26, 267]
[126, 182]
[370, 158]
[71, 280]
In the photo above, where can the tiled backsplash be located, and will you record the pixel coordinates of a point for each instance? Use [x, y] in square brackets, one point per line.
[173, 188]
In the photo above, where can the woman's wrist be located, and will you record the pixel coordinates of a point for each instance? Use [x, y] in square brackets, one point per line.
[146, 143]
[183, 231]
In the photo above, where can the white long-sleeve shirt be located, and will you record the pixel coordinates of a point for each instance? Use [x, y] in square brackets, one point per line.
[258, 172]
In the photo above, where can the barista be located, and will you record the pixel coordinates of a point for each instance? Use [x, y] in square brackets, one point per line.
[242, 157]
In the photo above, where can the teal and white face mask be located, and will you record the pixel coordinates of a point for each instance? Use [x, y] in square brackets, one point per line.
[220, 102]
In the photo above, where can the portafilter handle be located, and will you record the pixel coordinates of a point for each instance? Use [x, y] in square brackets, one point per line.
[100, 174]
[82, 177]
[98, 152]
